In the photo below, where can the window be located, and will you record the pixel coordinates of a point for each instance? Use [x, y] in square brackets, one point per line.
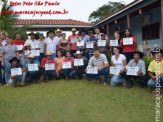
[151, 32]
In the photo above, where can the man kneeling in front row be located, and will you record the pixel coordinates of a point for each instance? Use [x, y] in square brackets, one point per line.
[100, 61]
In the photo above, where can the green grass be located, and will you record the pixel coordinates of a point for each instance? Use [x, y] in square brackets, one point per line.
[77, 100]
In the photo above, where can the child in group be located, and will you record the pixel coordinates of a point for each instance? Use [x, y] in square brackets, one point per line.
[27, 52]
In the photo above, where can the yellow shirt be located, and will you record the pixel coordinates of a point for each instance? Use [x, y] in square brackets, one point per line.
[156, 67]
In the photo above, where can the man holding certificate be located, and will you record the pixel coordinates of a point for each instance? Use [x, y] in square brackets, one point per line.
[17, 72]
[90, 46]
[80, 63]
[32, 68]
[48, 66]
[99, 64]
[155, 70]
[68, 67]
[135, 69]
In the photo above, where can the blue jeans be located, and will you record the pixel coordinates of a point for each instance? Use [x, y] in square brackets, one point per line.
[2, 76]
[20, 78]
[7, 70]
[49, 74]
[117, 79]
[53, 56]
[41, 56]
[152, 83]
[104, 72]
[69, 73]
[72, 53]
[22, 59]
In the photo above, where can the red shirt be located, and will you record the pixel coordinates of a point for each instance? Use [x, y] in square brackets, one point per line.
[71, 60]
[21, 42]
[73, 45]
[129, 48]
[45, 61]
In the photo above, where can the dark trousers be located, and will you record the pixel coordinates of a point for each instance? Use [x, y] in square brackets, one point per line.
[61, 74]
[69, 73]
[2, 75]
[79, 73]
[128, 56]
[41, 57]
[142, 79]
[33, 77]
[48, 74]
[72, 53]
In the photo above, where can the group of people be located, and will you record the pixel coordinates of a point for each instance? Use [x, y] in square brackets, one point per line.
[56, 58]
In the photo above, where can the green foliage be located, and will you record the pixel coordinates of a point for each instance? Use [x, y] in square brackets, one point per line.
[105, 10]
[147, 61]
[7, 22]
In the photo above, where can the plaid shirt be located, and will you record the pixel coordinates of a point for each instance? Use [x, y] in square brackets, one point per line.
[140, 64]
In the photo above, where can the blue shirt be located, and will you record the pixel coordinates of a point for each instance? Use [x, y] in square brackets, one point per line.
[35, 62]
[85, 39]
[90, 50]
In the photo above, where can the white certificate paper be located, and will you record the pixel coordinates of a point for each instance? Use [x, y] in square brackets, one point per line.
[132, 71]
[114, 43]
[49, 67]
[81, 43]
[66, 65]
[34, 45]
[16, 71]
[73, 40]
[35, 52]
[127, 41]
[101, 43]
[89, 45]
[92, 70]
[20, 47]
[32, 67]
[114, 70]
[78, 62]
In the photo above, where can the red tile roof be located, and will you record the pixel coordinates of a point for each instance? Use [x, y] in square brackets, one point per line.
[52, 22]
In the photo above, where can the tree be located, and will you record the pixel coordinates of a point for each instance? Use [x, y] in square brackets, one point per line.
[7, 22]
[105, 10]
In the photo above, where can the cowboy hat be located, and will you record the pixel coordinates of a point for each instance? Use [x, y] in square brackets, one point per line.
[31, 33]
[137, 52]
[50, 31]
[73, 29]
[27, 45]
[13, 59]
[156, 50]
[48, 53]
[91, 32]
[31, 56]
[4, 32]
[78, 53]
[58, 30]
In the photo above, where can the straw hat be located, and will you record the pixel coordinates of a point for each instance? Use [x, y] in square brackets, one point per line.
[58, 30]
[31, 56]
[78, 53]
[73, 29]
[48, 53]
[4, 32]
[27, 45]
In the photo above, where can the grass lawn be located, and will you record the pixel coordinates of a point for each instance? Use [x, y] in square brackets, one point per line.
[77, 100]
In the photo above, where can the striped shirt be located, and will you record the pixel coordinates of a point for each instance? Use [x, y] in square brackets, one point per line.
[140, 64]
[98, 62]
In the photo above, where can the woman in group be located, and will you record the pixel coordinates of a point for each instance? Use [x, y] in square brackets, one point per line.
[117, 36]
[129, 49]
[64, 45]
[118, 60]
[58, 64]
[1, 67]
[8, 52]
[70, 72]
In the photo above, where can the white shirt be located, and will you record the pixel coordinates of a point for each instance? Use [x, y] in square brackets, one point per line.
[118, 63]
[51, 45]
[41, 46]
[29, 41]
[57, 39]
[26, 52]
[4, 42]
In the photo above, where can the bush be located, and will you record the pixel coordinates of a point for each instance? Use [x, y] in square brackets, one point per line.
[147, 61]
